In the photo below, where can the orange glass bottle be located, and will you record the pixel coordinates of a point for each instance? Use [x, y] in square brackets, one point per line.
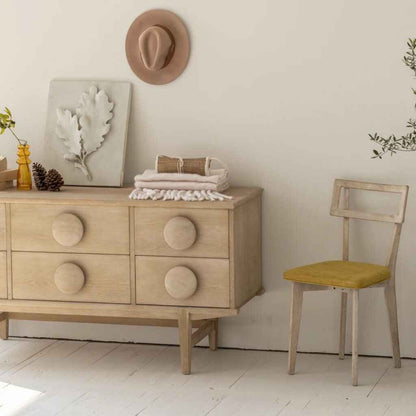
[24, 177]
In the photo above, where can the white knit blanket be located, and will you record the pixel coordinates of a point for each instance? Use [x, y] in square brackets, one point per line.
[177, 195]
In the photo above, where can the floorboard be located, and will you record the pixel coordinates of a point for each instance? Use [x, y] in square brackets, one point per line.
[74, 378]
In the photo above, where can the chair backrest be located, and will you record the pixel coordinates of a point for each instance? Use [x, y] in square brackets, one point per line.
[341, 209]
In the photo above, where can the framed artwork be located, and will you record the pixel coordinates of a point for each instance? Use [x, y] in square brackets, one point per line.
[86, 131]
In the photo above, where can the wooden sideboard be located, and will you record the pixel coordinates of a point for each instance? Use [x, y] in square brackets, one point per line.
[93, 255]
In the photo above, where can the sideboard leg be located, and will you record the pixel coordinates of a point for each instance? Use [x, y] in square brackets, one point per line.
[4, 326]
[213, 336]
[185, 340]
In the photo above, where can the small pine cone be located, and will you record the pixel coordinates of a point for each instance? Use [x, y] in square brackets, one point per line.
[39, 176]
[54, 180]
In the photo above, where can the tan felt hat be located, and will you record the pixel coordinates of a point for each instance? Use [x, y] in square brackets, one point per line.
[157, 46]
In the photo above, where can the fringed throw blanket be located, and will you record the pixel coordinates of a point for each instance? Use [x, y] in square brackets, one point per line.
[177, 195]
[168, 186]
[150, 179]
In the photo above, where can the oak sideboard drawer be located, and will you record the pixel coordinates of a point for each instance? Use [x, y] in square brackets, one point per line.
[181, 232]
[182, 281]
[2, 227]
[71, 277]
[67, 228]
[3, 275]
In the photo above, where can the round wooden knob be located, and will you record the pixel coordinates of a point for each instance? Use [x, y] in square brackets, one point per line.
[67, 229]
[179, 233]
[180, 282]
[69, 278]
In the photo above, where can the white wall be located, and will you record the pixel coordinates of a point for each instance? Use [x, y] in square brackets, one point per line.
[285, 91]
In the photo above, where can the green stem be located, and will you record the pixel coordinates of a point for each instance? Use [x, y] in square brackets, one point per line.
[20, 142]
[15, 135]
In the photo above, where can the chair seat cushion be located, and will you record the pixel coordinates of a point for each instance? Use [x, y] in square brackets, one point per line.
[347, 274]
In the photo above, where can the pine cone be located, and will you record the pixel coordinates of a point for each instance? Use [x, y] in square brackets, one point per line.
[39, 175]
[54, 180]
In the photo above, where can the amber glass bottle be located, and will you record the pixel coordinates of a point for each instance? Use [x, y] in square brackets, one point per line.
[24, 177]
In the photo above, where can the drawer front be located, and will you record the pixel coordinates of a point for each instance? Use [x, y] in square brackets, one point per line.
[3, 275]
[74, 229]
[2, 227]
[71, 277]
[181, 232]
[182, 281]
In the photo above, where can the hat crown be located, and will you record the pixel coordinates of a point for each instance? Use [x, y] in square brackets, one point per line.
[156, 46]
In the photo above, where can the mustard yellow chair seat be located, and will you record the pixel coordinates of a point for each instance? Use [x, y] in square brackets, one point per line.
[347, 274]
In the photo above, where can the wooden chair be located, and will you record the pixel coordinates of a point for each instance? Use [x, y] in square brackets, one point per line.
[350, 277]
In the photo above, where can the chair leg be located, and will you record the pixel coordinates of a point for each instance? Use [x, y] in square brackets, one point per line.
[390, 297]
[355, 297]
[185, 340]
[295, 317]
[342, 326]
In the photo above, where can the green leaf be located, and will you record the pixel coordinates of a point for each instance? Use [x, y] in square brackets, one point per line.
[8, 111]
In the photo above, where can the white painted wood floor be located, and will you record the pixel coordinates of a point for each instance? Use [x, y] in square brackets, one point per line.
[71, 378]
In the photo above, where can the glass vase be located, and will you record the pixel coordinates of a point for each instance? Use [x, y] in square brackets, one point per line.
[24, 177]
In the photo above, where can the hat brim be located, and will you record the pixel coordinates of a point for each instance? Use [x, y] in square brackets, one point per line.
[180, 57]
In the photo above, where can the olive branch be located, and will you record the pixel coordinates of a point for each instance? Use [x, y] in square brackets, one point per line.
[406, 143]
[7, 123]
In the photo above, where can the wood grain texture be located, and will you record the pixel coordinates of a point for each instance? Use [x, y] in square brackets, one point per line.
[185, 340]
[6, 185]
[212, 276]
[343, 324]
[391, 304]
[392, 256]
[202, 332]
[67, 229]
[120, 287]
[211, 229]
[345, 257]
[69, 278]
[9, 253]
[354, 361]
[295, 320]
[3, 163]
[172, 323]
[346, 228]
[73, 195]
[111, 310]
[340, 184]
[107, 278]
[2, 227]
[109, 379]
[344, 186]
[106, 228]
[3, 275]
[179, 233]
[213, 336]
[181, 282]
[245, 252]
[8, 175]
[4, 326]
[132, 258]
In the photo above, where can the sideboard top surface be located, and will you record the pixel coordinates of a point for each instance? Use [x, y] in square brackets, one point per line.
[119, 197]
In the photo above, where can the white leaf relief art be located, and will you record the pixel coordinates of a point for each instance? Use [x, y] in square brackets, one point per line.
[84, 132]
